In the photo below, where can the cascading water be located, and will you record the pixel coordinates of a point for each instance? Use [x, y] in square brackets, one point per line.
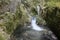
[34, 25]
[33, 22]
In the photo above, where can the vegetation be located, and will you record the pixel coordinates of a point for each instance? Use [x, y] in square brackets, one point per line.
[4, 2]
[52, 16]
[53, 3]
[9, 21]
[1, 38]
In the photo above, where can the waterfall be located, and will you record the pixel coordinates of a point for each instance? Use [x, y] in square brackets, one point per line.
[33, 21]
[34, 25]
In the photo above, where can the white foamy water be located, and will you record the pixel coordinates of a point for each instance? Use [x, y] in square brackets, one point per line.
[33, 22]
[35, 26]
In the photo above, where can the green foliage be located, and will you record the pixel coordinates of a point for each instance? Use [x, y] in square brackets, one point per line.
[53, 3]
[32, 2]
[1, 37]
[9, 21]
[4, 2]
[52, 15]
[53, 19]
[40, 21]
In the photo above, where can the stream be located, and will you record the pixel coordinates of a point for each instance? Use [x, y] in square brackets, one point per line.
[34, 32]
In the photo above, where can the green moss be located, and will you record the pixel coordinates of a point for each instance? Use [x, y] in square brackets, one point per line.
[1, 37]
